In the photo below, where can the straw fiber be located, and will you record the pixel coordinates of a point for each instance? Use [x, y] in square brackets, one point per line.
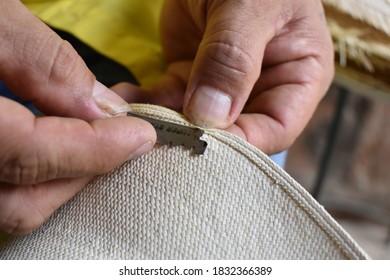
[361, 35]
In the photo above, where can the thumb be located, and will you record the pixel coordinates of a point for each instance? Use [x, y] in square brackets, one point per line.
[46, 148]
[227, 63]
[37, 65]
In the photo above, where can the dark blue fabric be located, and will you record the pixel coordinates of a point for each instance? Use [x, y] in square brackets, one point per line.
[4, 91]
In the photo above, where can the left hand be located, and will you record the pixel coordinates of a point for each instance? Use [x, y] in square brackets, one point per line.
[255, 68]
[45, 161]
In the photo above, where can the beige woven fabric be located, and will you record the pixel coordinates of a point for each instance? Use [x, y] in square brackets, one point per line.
[230, 203]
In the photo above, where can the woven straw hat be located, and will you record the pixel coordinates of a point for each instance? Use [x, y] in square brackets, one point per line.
[361, 35]
[230, 203]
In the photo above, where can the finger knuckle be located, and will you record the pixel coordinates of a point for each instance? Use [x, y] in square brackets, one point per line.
[21, 171]
[231, 60]
[63, 63]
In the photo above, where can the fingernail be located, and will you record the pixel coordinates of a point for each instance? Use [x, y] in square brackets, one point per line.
[143, 149]
[108, 101]
[209, 107]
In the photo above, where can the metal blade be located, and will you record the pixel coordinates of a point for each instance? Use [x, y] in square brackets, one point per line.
[172, 134]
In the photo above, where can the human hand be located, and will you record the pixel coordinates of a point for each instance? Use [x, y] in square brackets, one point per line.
[45, 161]
[255, 68]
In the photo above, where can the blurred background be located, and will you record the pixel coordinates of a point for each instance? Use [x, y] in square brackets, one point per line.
[343, 156]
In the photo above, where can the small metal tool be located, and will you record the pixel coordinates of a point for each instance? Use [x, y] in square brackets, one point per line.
[172, 134]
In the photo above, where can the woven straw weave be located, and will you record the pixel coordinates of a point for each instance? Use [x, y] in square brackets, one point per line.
[230, 203]
[374, 12]
[361, 33]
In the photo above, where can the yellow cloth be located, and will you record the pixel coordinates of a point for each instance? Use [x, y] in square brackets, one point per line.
[126, 31]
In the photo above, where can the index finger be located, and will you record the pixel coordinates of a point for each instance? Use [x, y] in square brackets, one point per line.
[39, 66]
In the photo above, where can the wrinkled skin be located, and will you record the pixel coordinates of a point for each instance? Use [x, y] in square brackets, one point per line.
[45, 161]
[255, 68]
